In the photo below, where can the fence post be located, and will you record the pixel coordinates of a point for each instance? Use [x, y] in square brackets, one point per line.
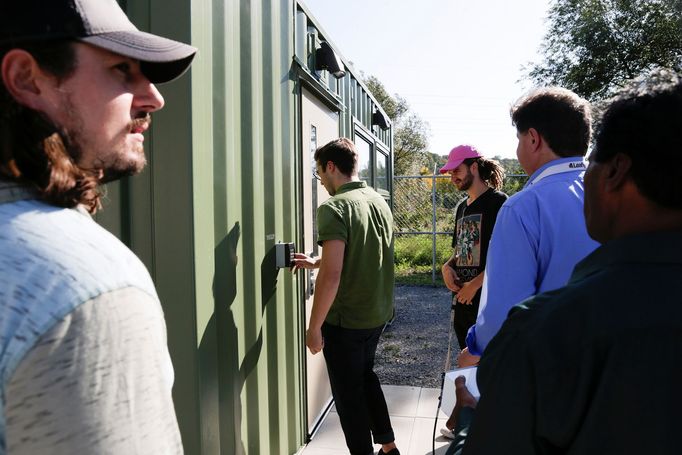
[433, 225]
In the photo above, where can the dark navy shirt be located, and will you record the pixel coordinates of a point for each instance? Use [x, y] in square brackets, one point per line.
[594, 367]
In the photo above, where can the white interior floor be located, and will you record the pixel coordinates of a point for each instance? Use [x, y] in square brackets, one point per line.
[412, 411]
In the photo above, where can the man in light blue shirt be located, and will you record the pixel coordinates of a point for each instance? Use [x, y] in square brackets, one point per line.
[540, 232]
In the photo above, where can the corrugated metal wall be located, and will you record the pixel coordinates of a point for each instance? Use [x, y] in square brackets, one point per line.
[222, 187]
[244, 198]
[218, 193]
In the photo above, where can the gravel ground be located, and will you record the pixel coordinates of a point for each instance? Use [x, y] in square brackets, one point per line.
[412, 349]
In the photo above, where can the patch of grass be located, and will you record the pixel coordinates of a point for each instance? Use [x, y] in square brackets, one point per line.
[414, 259]
[417, 276]
[416, 250]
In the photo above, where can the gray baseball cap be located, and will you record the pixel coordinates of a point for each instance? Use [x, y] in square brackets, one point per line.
[101, 23]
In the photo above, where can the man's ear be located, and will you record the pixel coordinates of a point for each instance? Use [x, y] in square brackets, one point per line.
[23, 78]
[617, 171]
[474, 168]
[535, 138]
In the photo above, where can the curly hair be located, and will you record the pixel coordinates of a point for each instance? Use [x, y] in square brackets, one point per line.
[35, 151]
[490, 171]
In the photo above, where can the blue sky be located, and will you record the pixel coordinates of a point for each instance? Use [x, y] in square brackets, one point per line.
[459, 64]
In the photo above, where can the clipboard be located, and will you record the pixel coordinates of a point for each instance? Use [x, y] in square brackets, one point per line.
[449, 398]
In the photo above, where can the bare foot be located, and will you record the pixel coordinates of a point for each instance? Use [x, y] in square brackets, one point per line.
[464, 399]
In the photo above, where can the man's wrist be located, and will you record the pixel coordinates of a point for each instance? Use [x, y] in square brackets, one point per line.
[314, 326]
[473, 350]
[471, 341]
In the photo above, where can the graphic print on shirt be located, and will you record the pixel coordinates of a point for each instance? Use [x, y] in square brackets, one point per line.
[468, 251]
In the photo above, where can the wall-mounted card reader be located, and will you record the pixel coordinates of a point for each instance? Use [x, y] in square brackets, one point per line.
[284, 254]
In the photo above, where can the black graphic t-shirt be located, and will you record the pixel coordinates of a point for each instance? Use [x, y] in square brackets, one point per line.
[473, 228]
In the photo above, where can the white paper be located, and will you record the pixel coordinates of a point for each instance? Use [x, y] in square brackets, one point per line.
[449, 397]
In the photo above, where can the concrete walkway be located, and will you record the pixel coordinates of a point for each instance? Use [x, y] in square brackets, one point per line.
[412, 411]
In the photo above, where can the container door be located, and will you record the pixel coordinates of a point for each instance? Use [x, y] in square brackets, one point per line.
[320, 125]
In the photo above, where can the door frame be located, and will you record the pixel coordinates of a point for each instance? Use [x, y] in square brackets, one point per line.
[307, 82]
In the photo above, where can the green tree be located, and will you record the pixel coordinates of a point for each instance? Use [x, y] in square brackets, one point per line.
[395, 107]
[433, 160]
[511, 166]
[593, 46]
[515, 177]
[410, 132]
[410, 142]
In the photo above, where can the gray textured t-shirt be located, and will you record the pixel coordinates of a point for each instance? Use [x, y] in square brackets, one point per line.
[84, 364]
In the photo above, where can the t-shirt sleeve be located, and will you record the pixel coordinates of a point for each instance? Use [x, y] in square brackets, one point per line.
[510, 275]
[492, 208]
[497, 205]
[458, 214]
[99, 381]
[330, 225]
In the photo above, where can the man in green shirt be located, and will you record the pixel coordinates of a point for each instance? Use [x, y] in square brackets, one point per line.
[353, 295]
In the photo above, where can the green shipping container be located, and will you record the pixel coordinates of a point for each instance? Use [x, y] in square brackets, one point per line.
[229, 176]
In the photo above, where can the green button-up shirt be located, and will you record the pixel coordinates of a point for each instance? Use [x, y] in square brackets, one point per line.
[360, 217]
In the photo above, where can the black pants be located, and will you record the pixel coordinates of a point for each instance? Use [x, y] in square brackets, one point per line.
[360, 403]
[465, 317]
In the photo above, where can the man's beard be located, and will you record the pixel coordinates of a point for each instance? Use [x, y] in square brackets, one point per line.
[121, 167]
[116, 167]
[467, 181]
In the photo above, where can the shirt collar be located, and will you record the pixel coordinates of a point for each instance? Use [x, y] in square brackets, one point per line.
[550, 164]
[653, 247]
[12, 191]
[351, 186]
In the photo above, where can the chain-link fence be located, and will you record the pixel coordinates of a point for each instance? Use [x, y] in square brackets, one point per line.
[424, 211]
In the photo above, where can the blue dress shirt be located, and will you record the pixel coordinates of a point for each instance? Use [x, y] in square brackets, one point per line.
[538, 238]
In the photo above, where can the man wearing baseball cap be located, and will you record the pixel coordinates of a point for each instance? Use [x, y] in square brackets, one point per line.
[540, 232]
[475, 217]
[84, 365]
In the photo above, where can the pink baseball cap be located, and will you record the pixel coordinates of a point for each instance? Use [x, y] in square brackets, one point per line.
[458, 155]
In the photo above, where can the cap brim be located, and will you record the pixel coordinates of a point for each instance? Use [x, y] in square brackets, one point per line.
[450, 165]
[161, 59]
